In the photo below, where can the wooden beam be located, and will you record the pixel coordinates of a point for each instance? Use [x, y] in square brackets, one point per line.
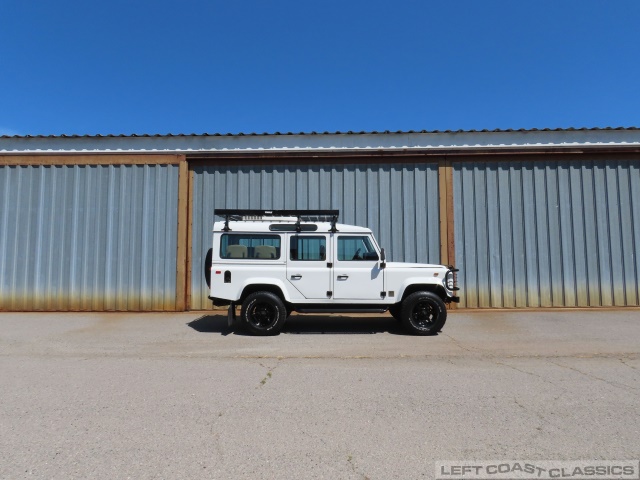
[91, 159]
[189, 240]
[447, 240]
[183, 243]
[451, 244]
[442, 200]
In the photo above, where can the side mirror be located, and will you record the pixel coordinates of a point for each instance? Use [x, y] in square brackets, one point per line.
[383, 258]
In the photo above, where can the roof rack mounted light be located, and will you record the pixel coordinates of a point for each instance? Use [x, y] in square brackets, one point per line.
[240, 214]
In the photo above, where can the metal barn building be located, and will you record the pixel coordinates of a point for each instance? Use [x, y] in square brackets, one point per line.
[533, 218]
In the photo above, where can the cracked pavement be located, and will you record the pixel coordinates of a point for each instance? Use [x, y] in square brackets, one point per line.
[164, 395]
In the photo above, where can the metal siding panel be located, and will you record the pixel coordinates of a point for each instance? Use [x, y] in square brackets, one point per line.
[542, 234]
[482, 241]
[337, 194]
[634, 201]
[616, 263]
[591, 235]
[469, 221]
[628, 253]
[67, 238]
[430, 214]
[363, 194]
[350, 202]
[494, 236]
[111, 238]
[313, 195]
[567, 235]
[572, 232]
[124, 229]
[409, 218]
[602, 228]
[423, 238]
[578, 212]
[458, 230]
[555, 235]
[517, 221]
[504, 249]
[374, 213]
[530, 239]
[391, 185]
[26, 295]
[5, 194]
[7, 277]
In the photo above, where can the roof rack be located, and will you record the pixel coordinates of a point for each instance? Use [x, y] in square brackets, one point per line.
[239, 214]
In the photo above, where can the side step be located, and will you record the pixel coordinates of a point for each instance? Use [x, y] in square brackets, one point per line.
[341, 310]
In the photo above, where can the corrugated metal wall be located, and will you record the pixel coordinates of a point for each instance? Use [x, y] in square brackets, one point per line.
[88, 237]
[551, 231]
[399, 202]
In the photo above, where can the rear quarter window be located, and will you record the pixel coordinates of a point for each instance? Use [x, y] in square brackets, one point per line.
[239, 246]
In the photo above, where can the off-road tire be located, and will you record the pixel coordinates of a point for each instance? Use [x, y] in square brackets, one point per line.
[263, 313]
[423, 313]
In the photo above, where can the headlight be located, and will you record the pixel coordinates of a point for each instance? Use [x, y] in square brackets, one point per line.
[451, 279]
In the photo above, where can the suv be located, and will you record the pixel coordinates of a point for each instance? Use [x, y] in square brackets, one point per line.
[274, 262]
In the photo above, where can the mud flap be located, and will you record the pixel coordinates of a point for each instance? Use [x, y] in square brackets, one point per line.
[231, 315]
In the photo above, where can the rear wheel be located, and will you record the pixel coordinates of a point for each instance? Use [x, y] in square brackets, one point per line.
[423, 313]
[263, 313]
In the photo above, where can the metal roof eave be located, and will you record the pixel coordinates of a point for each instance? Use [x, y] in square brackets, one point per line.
[327, 142]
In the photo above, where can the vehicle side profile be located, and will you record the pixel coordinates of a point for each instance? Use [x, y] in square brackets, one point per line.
[274, 262]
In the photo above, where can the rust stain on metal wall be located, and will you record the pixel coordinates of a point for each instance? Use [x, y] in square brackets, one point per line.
[398, 201]
[88, 237]
[554, 232]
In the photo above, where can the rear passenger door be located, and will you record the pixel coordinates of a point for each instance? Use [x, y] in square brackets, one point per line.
[307, 268]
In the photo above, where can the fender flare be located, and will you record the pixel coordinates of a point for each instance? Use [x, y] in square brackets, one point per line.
[255, 283]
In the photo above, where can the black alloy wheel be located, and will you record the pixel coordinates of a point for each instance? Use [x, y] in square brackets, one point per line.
[424, 313]
[263, 313]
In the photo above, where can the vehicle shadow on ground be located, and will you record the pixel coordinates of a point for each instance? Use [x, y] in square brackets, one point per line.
[307, 325]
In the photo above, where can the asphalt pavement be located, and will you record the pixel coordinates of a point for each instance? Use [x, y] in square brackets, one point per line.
[172, 396]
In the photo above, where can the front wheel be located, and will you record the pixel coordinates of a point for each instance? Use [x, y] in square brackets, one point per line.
[423, 313]
[263, 313]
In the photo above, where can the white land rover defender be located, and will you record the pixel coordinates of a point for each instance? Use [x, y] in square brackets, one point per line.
[273, 262]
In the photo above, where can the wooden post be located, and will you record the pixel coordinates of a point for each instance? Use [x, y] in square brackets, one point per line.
[183, 244]
[447, 241]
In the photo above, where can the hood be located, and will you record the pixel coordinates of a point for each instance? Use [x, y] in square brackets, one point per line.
[413, 265]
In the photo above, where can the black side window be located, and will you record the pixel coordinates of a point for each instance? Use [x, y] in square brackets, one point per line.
[354, 247]
[246, 246]
[307, 248]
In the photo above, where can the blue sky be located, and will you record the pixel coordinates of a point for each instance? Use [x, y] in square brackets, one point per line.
[71, 67]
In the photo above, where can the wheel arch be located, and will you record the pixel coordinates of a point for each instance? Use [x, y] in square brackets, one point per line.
[425, 287]
[262, 287]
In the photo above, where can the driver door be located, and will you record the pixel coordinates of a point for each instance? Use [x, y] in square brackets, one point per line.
[357, 274]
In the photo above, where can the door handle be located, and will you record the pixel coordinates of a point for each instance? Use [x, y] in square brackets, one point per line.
[343, 277]
[296, 277]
